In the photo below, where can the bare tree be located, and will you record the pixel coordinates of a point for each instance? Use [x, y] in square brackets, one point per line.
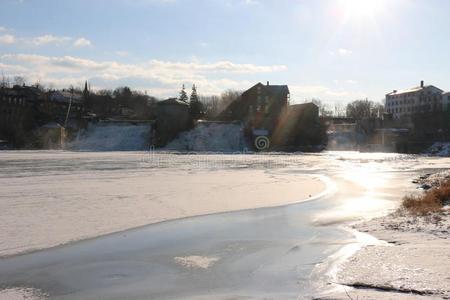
[324, 109]
[4, 83]
[228, 97]
[361, 109]
[105, 93]
[211, 105]
[19, 80]
[214, 105]
[339, 110]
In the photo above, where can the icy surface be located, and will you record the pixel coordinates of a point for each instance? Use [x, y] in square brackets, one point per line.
[210, 136]
[439, 149]
[113, 137]
[51, 198]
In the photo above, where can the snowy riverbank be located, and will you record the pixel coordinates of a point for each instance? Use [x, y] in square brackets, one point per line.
[414, 263]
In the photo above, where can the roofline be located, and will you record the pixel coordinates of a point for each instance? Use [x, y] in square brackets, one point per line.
[413, 90]
[270, 85]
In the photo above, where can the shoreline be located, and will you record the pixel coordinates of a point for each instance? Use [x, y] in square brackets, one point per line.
[412, 262]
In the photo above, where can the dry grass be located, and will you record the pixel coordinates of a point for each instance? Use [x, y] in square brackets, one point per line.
[431, 201]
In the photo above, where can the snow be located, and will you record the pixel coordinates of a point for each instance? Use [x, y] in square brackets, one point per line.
[411, 257]
[21, 294]
[50, 198]
[415, 259]
[211, 136]
[196, 261]
[439, 149]
[113, 137]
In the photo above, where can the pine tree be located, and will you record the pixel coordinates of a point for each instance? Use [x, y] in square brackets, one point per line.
[183, 96]
[195, 106]
[194, 96]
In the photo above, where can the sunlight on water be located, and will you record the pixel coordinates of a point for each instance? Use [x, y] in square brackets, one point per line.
[365, 176]
[354, 209]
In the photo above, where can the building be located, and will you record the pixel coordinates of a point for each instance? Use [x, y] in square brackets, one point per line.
[260, 107]
[19, 108]
[57, 105]
[172, 118]
[421, 99]
[299, 126]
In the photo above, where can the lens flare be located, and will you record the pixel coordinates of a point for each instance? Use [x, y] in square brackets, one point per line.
[361, 8]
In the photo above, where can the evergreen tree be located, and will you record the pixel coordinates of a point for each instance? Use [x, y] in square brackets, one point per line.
[195, 106]
[183, 96]
[194, 96]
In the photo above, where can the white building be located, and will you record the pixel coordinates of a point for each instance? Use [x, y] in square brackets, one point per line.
[424, 98]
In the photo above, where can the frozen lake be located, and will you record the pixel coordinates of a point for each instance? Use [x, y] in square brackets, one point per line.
[281, 251]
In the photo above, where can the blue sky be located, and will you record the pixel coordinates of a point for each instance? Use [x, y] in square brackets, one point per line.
[334, 50]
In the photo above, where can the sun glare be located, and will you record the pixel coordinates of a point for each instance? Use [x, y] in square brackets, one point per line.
[361, 8]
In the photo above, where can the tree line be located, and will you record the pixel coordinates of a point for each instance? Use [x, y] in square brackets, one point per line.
[107, 102]
[357, 109]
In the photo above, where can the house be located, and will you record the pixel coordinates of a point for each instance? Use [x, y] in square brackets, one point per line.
[260, 107]
[421, 99]
[19, 108]
[172, 118]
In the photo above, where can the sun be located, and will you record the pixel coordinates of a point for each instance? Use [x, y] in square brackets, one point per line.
[361, 8]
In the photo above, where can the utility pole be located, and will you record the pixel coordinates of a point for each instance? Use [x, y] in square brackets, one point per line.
[68, 109]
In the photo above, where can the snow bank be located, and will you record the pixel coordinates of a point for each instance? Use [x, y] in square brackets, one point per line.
[113, 137]
[210, 136]
[413, 262]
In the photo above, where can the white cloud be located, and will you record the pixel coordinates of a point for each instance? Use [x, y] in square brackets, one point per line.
[47, 39]
[220, 66]
[7, 39]
[50, 39]
[82, 42]
[164, 75]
